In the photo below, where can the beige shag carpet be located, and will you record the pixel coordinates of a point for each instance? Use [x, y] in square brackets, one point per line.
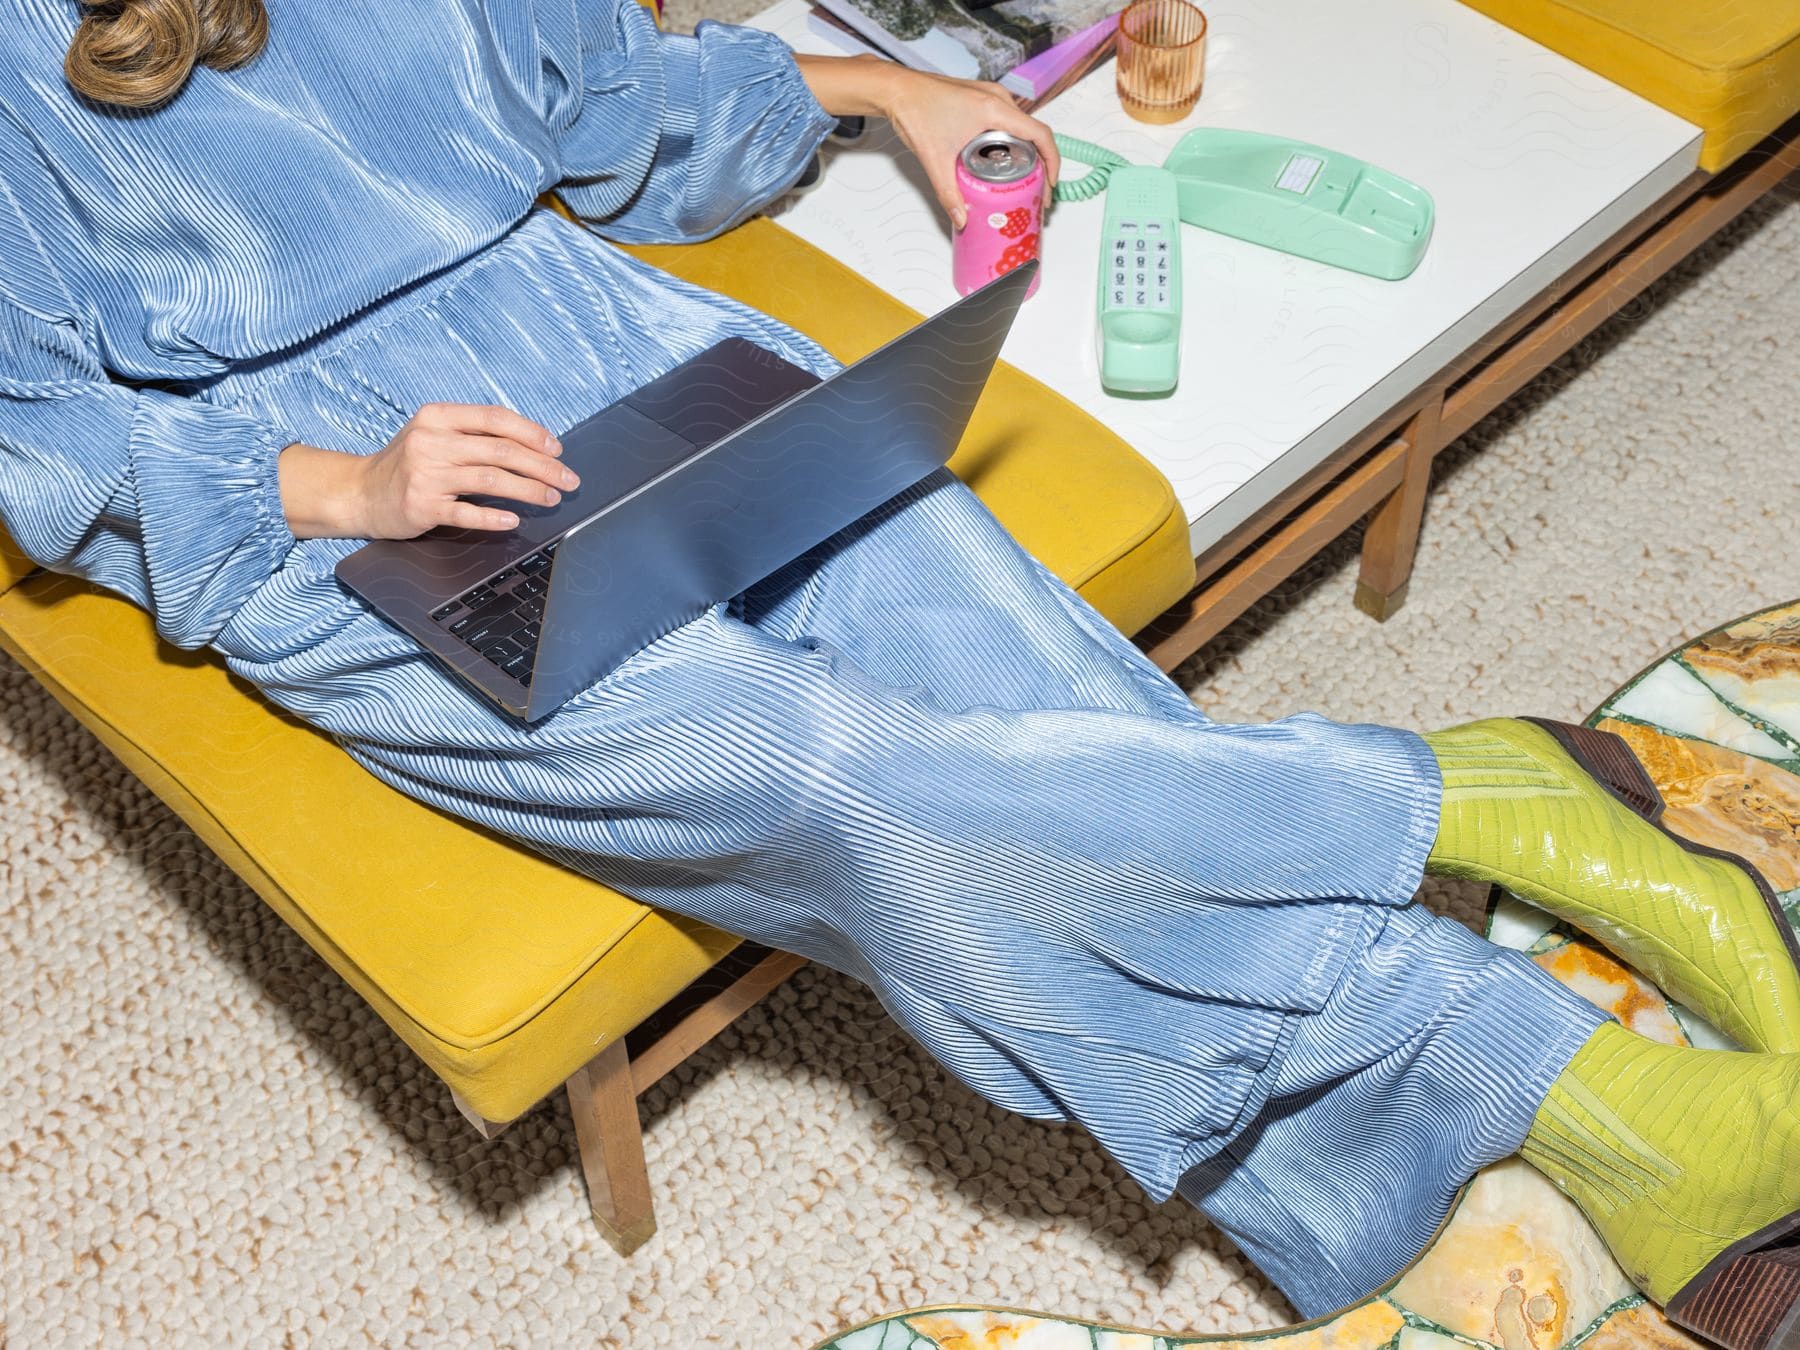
[208, 1139]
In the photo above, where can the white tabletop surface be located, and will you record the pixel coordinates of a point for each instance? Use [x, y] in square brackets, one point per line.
[1532, 161]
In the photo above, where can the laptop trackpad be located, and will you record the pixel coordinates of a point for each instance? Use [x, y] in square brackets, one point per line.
[614, 452]
[713, 394]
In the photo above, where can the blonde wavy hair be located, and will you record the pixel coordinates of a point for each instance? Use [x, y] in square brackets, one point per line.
[139, 53]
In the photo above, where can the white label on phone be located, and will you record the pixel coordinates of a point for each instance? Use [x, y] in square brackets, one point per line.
[1297, 173]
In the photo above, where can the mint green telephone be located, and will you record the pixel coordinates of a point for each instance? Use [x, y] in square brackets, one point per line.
[1288, 195]
[1139, 305]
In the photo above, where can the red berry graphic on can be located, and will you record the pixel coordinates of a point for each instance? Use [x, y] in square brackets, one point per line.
[1002, 182]
[1023, 251]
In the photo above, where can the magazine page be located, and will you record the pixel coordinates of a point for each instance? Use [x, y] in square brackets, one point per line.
[983, 44]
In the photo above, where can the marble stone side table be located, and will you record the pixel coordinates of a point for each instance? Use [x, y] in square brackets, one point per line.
[1517, 1267]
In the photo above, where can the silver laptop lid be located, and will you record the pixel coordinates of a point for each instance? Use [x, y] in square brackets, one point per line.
[721, 520]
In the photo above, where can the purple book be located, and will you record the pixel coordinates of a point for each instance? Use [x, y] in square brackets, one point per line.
[1033, 78]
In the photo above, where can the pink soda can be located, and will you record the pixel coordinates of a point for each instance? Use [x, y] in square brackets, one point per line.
[1002, 182]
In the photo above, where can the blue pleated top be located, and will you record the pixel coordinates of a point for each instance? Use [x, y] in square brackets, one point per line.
[144, 254]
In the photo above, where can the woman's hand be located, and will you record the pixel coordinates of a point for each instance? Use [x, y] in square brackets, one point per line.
[416, 482]
[935, 115]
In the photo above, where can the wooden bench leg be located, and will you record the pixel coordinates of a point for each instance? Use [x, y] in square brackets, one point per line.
[1391, 538]
[604, 1105]
[487, 1129]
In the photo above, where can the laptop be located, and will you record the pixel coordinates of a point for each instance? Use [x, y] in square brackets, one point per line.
[693, 487]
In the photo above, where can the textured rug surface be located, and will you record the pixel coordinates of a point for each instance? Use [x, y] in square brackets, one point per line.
[206, 1138]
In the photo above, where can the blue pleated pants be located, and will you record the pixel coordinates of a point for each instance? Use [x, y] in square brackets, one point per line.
[916, 756]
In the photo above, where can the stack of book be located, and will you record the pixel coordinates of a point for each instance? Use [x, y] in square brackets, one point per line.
[1035, 48]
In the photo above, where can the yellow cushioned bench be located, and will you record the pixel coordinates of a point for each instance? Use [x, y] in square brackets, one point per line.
[1731, 67]
[506, 973]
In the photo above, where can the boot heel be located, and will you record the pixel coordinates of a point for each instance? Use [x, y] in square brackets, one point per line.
[1749, 1297]
[1609, 759]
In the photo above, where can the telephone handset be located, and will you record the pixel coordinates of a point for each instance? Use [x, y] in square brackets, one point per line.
[1139, 306]
[1289, 195]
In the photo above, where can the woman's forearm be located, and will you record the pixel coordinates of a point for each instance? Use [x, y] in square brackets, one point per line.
[321, 492]
[417, 481]
[850, 86]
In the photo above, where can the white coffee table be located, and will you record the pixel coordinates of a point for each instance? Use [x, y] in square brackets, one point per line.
[1534, 163]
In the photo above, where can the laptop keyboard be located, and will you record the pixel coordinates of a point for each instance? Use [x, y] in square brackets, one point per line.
[500, 616]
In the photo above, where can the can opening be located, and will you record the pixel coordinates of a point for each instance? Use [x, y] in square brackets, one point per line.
[997, 157]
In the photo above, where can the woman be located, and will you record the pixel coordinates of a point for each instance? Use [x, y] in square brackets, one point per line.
[274, 284]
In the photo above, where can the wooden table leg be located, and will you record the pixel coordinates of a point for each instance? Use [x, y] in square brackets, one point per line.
[1391, 538]
[604, 1106]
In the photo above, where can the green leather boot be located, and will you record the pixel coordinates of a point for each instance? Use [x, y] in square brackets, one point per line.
[1566, 818]
[1688, 1163]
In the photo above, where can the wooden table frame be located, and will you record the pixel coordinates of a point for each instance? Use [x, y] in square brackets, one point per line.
[1382, 474]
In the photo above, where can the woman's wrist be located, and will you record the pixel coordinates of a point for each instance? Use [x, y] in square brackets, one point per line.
[321, 492]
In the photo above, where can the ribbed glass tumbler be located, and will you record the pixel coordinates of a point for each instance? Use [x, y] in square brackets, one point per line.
[1161, 59]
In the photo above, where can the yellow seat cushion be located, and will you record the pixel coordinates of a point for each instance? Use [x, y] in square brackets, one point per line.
[1731, 67]
[504, 971]
[14, 565]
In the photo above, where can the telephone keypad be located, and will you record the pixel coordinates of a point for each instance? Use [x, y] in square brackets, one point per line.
[1138, 314]
[1140, 266]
